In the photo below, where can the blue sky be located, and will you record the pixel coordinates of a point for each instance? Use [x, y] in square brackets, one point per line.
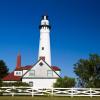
[75, 31]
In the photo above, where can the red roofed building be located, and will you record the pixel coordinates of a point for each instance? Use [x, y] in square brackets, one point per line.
[39, 75]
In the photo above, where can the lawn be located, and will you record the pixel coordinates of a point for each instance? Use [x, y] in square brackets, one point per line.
[46, 98]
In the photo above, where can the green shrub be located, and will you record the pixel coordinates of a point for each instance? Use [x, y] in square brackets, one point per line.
[0, 83]
[65, 82]
[15, 84]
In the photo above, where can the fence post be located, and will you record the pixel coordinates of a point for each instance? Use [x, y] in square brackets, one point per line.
[13, 90]
[71, 92]
[32, 91]
[90, 92]
[52, 91]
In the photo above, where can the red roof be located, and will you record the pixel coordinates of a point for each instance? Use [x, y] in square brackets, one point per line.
[24, 68]
[28, 67]
[55, 68]
[11, 77]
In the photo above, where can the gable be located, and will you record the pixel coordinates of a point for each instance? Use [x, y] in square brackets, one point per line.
[41, 70]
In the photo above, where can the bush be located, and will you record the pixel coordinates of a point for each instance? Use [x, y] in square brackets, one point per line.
[15, 84]
[65, 82]
[0, 83]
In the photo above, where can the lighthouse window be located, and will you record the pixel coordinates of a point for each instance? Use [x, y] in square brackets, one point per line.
[42, 48]
[44, 23]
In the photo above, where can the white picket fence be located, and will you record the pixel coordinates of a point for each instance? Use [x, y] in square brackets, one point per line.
[14, 91]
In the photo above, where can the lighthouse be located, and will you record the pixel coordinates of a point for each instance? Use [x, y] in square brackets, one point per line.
[42, 74]
[44, 45]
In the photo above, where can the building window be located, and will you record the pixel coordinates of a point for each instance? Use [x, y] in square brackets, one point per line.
[18, 73]
[49, 73]
[31, 83]
[32, 73]
[42, 48]
[41, 64]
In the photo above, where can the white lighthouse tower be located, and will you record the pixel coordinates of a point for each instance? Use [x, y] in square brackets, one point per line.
[44, 46]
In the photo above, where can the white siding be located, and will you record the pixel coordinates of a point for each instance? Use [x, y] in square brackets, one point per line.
[58, 72]
[41, 78]
[41, 83]
[24, 71]
[41, 71]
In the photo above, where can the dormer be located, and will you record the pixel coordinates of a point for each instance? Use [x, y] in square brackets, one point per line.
[17, 73]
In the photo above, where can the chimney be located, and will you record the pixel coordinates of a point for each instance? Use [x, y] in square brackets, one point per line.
[18, 63]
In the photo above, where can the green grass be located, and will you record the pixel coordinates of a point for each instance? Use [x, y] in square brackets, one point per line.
[46, 98]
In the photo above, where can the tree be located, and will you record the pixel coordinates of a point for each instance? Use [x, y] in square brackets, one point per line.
[3, 69]
[88, 71]
[65, 82]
